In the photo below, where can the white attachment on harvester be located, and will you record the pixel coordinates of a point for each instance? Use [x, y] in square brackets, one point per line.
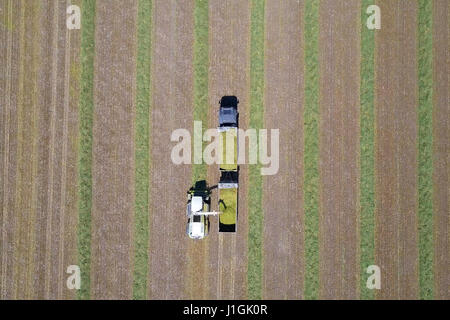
[212, 213]
[197, 206]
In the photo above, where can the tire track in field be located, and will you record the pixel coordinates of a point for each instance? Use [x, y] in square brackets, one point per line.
[198, 250]
[339, 149]
[26, 163]
[67, 232]
[45, 109]
[113, 150]
[72, 92]
[441, 149]
[396, 251]
[229, 75]
[10, 155]
[282, 192]
[172, 106]
[64, 80]
[197, 267]
[51, 161]
[56, 182]
[54, 281]
[6, 56]
[4, 69]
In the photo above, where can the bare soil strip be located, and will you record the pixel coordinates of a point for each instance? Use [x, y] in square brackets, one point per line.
[113, 151]
[339, 149]
[172, 105]
[9, 137]
[57, 213]
[4, 68]
[52, 148]
[229, 55]
[198, 250]
[197, 281]
[57, 132]
[282, 193]
[24, 208]
[45, 110]
[396, 152]
[5, 49]
[441, 149]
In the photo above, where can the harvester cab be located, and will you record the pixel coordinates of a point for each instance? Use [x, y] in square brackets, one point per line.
[198, 224]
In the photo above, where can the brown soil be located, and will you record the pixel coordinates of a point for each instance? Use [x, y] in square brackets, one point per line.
[26, 165]
[441, 149]
[4, 101]
[57, 214]
[282, 192]
[12, 53]
[396, 251]
[229, 23]
[339, 149]
[113, 151]
[172, 106]
[39, 152]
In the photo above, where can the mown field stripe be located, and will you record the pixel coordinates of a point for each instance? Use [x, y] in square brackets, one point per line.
[5, 129]
[142, 149]
[85, 164]
[27, 153]
[36, 12]
[425, 141]
[18, 208]
[256, 121]
[441, 151]
[311, 156]
[201, 65]
[198, 252]
[71, 227]
[367, 140]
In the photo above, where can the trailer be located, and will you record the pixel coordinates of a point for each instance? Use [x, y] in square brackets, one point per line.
[229, 170]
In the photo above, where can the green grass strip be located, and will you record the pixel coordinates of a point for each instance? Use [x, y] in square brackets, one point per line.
[367, 151]
[85, 165]
[311, 154]
[142, 153]
[425, 144]
[255, 267]
[201, 65]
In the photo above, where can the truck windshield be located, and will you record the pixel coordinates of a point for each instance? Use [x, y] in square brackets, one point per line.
[197, 219]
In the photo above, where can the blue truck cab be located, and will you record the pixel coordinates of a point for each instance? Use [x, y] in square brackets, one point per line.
[228, 113]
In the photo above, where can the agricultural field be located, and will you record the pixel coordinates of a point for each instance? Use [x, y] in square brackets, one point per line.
[87, 177]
